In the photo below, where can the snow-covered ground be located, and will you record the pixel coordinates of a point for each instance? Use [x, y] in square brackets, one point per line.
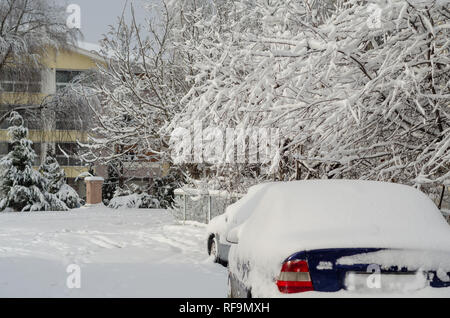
[120, 253]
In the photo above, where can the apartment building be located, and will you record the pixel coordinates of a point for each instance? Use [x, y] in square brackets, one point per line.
[61, 67]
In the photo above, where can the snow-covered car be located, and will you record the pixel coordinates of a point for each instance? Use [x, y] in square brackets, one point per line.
[307, 237]
[218, 228]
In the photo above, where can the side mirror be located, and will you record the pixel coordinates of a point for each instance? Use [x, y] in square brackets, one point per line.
[233, 236]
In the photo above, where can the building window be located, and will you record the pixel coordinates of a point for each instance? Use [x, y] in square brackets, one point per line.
[65, 77]
[12, 80]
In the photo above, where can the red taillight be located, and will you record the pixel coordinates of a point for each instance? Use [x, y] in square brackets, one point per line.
[294, 277]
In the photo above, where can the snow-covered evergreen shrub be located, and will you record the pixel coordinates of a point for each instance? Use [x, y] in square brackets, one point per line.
[163, 188]
[121, 192]
[21, 187]
[56, 184]
[51, 171]
[134, 198]
[134, 201]
[69, 196]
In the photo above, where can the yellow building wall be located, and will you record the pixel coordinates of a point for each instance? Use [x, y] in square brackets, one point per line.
[51, 136]
[71, 172]
[21, 98]
[71, 60]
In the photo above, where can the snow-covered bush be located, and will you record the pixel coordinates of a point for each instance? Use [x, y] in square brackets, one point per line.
[56, 182]
[133, 198]
[21, 187]
[124, 191]
[69, 196]
[163, 188]
[134, 201]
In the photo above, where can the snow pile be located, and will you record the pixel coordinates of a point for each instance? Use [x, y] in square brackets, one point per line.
[295, 216]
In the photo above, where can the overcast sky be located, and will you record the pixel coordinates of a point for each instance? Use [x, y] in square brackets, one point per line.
[97, 15]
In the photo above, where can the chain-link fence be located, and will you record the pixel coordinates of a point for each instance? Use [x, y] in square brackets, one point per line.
[446, 215]
[202, 206]
[445, 204]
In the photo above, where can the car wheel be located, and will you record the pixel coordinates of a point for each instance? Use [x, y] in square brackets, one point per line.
[213, 250]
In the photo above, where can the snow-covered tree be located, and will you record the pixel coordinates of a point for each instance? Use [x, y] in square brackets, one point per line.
[57, 181]
[358, 89]
[27, 27]
[51, 171]
[139, 89]
[21, 187]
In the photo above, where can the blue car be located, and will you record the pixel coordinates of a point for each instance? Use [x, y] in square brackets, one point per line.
[339, 238]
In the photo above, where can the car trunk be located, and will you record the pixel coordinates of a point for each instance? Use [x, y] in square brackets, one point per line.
[375, 269]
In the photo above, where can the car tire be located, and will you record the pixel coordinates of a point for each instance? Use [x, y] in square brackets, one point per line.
[213, 249]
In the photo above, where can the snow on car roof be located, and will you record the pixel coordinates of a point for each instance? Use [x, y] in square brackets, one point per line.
[305, 215]
[237, 212]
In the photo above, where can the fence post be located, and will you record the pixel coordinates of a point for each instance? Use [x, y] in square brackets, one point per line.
[184, 208]
[203, 207]
[209, 208]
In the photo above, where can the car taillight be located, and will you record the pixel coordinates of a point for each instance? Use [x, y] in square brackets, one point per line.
[294, 277]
